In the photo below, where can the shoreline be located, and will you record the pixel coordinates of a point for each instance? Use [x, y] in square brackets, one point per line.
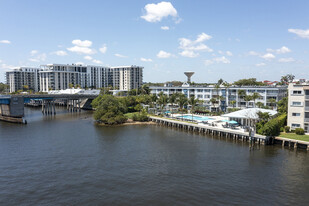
[129, 122]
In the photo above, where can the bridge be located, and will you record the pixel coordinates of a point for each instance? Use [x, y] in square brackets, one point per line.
[12, 106]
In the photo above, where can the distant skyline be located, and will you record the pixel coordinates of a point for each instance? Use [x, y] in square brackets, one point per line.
[215, 39]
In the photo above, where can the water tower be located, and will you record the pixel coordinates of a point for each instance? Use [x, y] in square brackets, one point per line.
[189, 75]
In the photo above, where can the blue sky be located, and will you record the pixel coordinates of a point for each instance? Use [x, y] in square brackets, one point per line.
[216, 39]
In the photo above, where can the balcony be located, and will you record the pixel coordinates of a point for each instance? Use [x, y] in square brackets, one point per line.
[306, 120]
[306, 96]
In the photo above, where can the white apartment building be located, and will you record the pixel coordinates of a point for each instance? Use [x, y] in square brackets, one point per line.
[127, 77]
[23, 76]
[298, 106]
[60, 76]
[228, 94]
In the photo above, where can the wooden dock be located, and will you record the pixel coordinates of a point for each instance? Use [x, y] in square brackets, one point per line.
[223, 132]
[231, 133]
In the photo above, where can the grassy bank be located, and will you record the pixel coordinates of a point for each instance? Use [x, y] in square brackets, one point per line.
[130, 115]
[295, 136]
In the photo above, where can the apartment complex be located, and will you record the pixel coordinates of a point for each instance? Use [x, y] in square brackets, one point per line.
[229, 96]
[23, 76]
[61, 76]
[298, 106]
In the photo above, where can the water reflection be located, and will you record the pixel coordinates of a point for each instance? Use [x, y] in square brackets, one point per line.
[68, 160]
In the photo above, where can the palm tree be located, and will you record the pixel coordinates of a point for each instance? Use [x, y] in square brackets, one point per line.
[247, 98]
[255, 96]
[193, 102]
[259, 104]
[182, 100]
[233, 102]
[241, 94]
[213, 101]
[145, 89]
[162, 101]
[272, 102]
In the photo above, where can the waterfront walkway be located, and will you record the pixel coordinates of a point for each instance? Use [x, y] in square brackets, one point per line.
[225, 132]
[237, 134]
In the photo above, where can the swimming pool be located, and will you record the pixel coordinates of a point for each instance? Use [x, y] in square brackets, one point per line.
[197, 118]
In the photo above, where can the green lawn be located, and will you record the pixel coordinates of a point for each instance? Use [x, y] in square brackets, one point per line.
[295, 136]
[130, 115]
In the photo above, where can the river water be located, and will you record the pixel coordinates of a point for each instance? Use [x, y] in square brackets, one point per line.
[68, 160]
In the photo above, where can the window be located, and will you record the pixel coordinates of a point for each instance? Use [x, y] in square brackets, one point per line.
[296, 103]
[295, 114]
[295, 125]
[296, 92]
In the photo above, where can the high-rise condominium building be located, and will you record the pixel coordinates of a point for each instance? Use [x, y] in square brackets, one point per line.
[22, 77]
[298, 106]
[62, 76]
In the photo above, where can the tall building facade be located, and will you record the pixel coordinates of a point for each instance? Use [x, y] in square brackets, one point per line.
[298, 106]
[229, 96]
[18, 78]
[127, 77]
[62, 76]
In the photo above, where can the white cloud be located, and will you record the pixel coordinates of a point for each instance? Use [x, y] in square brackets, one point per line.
[282, 50]
[268, 56]
[120, 55]
[163, 54]
[5, 42]
[33, 52]
[229, 53]
[202, 37]
[156, 12]
[301, 33]
[82, 47]
[61, 53]
[208, 62]
[81, 50]
[0, 60]
[97, 61]
[222, 59]
[37, 57]
[165, 28]
[286, 60]
[103, 49]
[260, 64]
[253, 53]
[188, 53]
[85, 43]
[88, 58]
[5, 66]
[146, 60]
[189, 46]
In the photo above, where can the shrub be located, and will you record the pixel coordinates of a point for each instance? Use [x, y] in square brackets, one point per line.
[287, 129]
[281, 129]
[300, 131]
[134, 117]
[273, 126]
